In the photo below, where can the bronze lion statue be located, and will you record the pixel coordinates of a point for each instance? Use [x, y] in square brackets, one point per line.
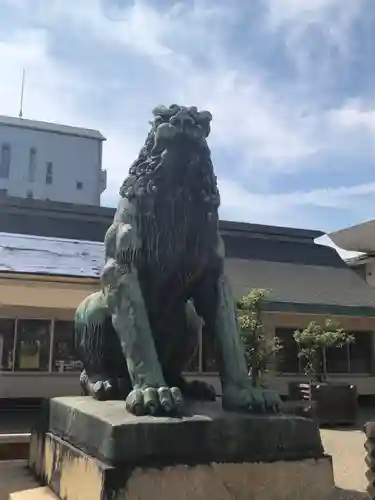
[163, 267]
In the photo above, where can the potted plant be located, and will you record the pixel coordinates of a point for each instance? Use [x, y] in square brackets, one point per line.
[260, 349]
[336, 403]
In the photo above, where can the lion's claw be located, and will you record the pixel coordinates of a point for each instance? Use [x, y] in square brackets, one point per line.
[152, 401]
[245, 398]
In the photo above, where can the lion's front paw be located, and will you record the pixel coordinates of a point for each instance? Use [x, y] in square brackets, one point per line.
[273, 401]
[152, 401]
[249, 399]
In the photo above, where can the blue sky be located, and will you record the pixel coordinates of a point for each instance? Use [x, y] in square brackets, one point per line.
[290, 84]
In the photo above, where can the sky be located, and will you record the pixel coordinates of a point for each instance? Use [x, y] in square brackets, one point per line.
[290, 85]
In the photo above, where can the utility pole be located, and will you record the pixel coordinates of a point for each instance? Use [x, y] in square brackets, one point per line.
[22, 90]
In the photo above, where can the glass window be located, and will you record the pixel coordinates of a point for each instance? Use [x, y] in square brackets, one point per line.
[7, 330]
[49, 173]
[33, 343]
[360, 352]
[32, 165]
[287, 359]
[337, 359]
[64, 356]
[5, 161]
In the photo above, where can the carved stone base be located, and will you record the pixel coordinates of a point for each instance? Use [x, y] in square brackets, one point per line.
[87, 450]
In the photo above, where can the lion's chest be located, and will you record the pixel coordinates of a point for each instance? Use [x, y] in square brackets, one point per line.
[179, 238]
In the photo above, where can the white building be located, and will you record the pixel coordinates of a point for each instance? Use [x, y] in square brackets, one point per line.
[49, 161]
[359, 238]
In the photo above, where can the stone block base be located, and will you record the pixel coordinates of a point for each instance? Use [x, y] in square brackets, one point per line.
[73, 475]
[302, 480]
[90, 451]
[370, 458]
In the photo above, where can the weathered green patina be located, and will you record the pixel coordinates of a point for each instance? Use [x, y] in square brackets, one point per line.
[163, 268]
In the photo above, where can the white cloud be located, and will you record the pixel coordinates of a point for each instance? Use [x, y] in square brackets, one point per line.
[281, 11]
[291, 208]
[50, 87]
[267, 129]
[317, 32]
[354, 115]
[246, 115]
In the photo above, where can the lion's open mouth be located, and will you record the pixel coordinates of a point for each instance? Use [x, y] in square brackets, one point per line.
[178, 121]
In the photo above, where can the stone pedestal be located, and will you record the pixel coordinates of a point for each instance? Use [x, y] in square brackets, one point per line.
[370, 458]
[89, 450]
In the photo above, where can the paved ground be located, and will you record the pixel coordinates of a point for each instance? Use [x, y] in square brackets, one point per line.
[346, 446]
[346, 449]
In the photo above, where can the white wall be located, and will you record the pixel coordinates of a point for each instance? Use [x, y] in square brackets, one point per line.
[75, 159]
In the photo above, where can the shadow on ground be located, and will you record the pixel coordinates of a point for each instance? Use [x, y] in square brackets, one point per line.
[340, 494]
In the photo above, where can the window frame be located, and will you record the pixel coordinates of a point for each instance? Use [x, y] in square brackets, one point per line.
[349, 371]
[54, 342]
[49, 173]
[17, 341]
[5, 161]
[32, 164]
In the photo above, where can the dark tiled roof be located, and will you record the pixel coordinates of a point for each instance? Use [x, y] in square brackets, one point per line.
[56, 256]
[290, 281]
[272, 250]
[301, 283]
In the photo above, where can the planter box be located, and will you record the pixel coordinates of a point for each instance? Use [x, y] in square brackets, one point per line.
[335, 403]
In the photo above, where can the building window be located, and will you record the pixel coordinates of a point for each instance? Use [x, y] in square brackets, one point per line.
[360, 353]
[354, 358]
[5, 161]
[32, 165]
[49, 173]
[287, 360]
[7, 334]
[64, 356]
[79, 185]
[33, 344]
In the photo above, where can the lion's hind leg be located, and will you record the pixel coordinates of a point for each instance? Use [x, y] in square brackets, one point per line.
[98, 386]
[194, 389]
[105, 374]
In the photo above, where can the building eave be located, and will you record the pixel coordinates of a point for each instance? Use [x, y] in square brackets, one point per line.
[358, 238]
[53, 128]
[319, 309]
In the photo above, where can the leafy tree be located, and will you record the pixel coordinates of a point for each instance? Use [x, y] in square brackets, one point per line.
[259, 348]
[313, 342]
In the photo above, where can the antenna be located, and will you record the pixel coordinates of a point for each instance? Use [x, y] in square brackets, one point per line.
[22, 90]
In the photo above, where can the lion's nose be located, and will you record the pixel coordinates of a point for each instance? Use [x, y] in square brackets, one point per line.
[182, 120]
